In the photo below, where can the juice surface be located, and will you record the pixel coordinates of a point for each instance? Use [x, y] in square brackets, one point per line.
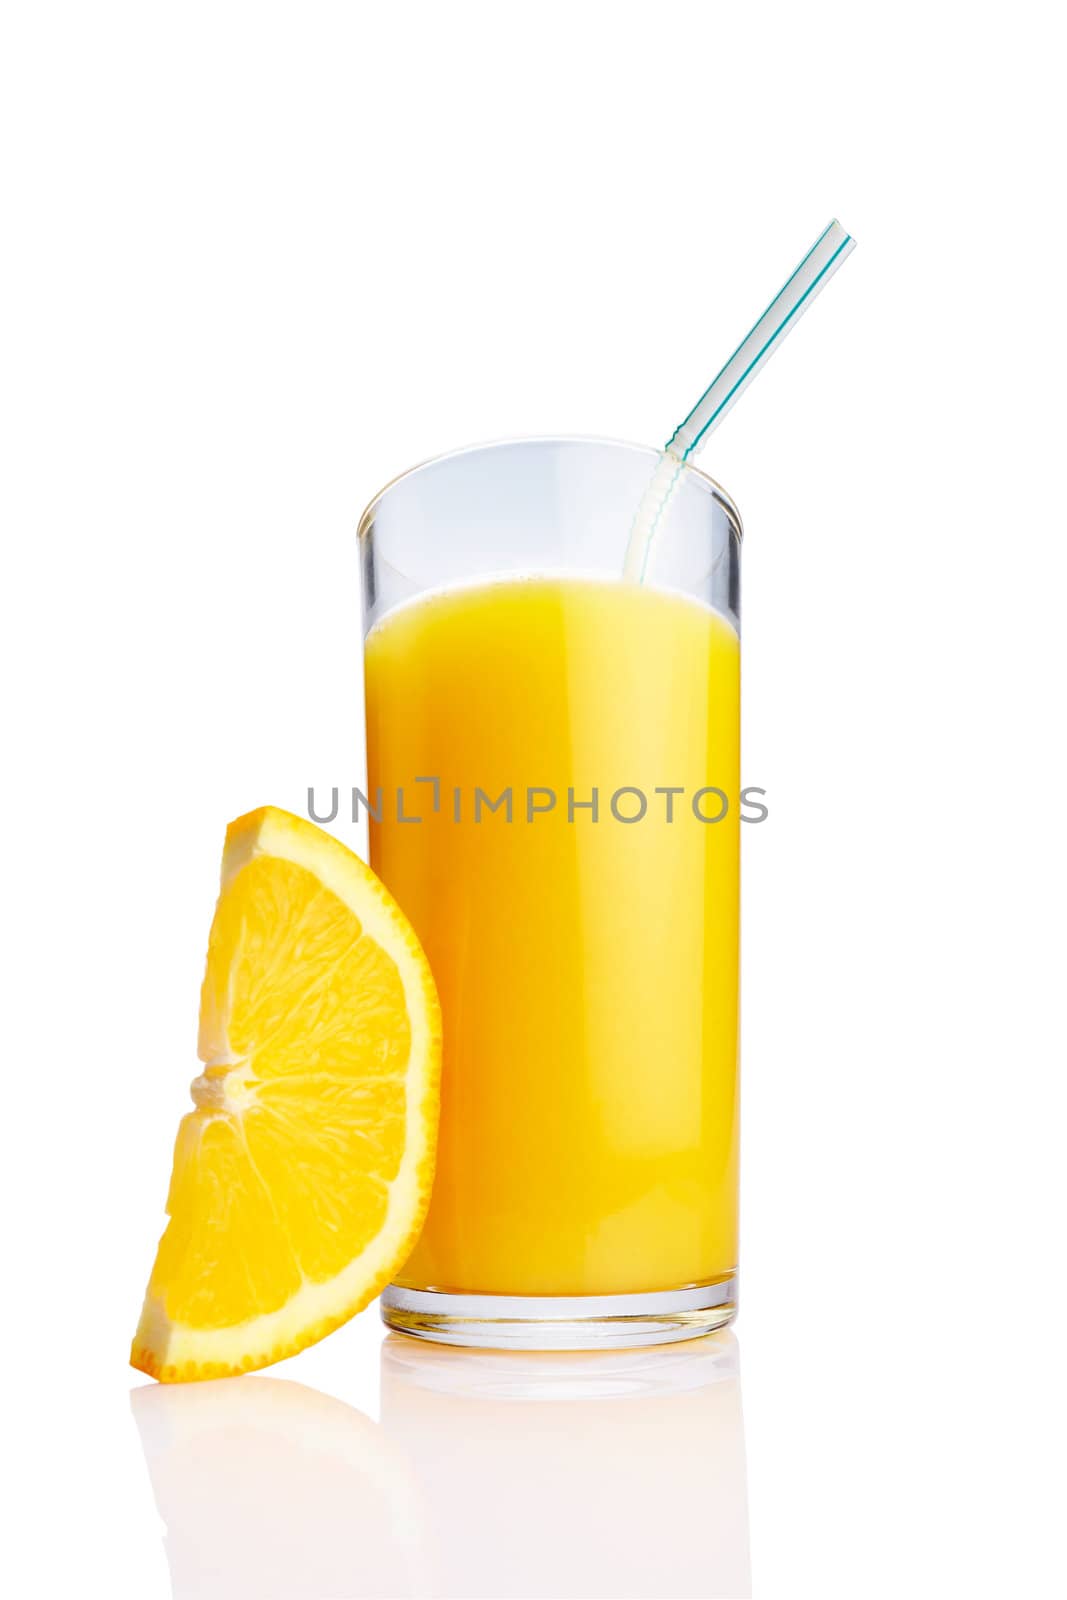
[587, 968]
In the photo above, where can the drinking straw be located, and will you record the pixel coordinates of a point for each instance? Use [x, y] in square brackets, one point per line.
[729, 384]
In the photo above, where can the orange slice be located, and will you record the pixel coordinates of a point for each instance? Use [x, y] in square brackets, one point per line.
[302, 1178]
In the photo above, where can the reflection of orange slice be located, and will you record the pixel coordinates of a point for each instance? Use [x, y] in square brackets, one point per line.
[302, 1178]
[270, 1488]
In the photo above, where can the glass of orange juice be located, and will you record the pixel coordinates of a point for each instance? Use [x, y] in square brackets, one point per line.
[553, 763]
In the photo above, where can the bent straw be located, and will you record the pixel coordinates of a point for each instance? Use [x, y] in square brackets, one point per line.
[782, 315]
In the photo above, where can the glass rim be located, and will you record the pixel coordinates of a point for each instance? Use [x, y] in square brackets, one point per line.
[705, 481]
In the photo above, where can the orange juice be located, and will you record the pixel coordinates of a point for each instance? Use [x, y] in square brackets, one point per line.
[585, 950]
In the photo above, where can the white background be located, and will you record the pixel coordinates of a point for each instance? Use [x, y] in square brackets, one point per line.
[258, 259]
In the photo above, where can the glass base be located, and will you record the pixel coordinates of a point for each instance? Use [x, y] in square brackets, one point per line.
[561, 1322]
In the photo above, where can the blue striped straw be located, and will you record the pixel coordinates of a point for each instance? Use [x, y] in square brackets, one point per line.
[782, 315]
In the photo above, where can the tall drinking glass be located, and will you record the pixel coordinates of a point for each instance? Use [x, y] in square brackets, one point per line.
[553, 758]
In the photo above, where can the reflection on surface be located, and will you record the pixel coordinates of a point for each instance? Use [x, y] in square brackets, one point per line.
[609, 1474]
[616, 1474]
[272, 1491]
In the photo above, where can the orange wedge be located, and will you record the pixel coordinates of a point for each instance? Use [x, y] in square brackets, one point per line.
[302, 1178]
